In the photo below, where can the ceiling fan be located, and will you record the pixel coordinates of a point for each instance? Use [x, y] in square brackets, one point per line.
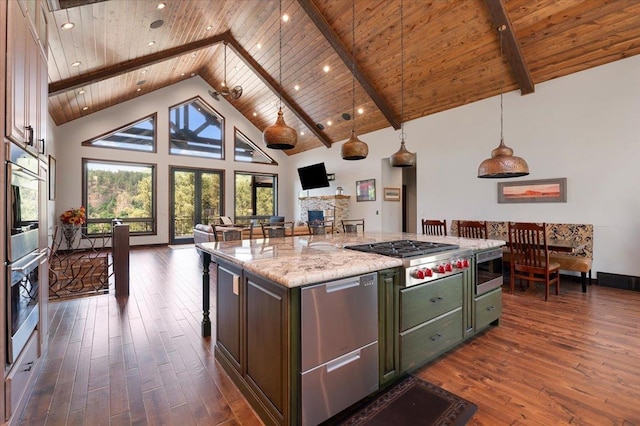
[234, 93]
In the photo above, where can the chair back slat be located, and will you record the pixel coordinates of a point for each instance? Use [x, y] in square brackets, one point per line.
[472, 229]
[352, 225]
[434, 227]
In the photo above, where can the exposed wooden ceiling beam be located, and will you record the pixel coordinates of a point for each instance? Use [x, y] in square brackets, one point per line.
[275, 87]
[348, 59]
[499, 16]
[73, 83]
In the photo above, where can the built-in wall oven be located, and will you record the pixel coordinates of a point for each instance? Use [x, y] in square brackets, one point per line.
[23, 256]
[488, 270]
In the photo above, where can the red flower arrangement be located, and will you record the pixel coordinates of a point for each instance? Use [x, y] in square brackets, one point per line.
[74, 216]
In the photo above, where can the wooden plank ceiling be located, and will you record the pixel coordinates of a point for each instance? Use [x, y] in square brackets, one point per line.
[452, 55]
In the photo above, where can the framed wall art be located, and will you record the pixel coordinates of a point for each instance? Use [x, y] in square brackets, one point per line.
[533, 191]
[366, 190]
[391, 194]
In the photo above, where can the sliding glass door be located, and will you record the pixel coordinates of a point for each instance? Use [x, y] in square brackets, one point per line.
[196, 197]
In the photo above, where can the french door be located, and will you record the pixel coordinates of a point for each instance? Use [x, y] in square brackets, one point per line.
[196, 197]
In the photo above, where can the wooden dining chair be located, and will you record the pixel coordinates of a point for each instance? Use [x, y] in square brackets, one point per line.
[319, 227]
[352, 225]
[434, 227]
[276, 229]
[530, 256]
[473, 229]
[227, 233]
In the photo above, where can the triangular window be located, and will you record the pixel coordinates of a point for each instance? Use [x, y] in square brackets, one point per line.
[196, 129]
[248, 152]
[138, 136]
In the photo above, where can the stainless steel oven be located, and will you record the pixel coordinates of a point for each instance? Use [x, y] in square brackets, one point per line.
[488, 270]
[22, 191]
[23, 256]
[23, 294]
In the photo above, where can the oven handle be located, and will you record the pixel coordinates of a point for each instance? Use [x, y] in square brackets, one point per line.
[17, 169]
[28, 267]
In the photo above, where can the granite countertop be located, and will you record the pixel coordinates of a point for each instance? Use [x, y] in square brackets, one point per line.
[297, 261]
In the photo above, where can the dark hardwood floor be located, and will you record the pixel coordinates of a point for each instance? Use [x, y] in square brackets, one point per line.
[141, 360]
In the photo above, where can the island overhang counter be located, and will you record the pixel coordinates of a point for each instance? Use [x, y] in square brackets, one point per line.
[258, 310]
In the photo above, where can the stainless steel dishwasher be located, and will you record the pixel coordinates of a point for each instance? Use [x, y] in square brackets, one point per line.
[339, 336]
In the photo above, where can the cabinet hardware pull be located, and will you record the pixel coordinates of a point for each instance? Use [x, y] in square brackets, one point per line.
[41, 146]
[342, 361]
[435, 337]
[29, 130]
[491, 308]
[30, 364]
[436, 299]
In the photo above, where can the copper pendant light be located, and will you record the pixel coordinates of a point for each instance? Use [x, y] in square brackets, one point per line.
[279, 135]
[402, 157]
[354, 148]
[502, 164]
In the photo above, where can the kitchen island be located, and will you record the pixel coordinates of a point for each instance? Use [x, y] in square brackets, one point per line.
[260, 286]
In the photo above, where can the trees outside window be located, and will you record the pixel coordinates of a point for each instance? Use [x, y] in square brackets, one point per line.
[118, 190]
[256, 195]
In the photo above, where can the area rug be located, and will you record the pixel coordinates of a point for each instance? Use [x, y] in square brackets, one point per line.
[412, 401]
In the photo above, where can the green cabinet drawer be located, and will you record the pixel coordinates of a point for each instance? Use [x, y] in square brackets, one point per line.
[424, 302]
[488, 308]
[428, 340]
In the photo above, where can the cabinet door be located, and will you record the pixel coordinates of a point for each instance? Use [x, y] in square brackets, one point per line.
[42, 102]
[388, 282]
[228, 323]
[267, 344]
[17, 76]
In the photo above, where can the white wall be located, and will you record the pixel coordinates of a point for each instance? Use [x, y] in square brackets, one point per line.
[69, 152]
[585, 127]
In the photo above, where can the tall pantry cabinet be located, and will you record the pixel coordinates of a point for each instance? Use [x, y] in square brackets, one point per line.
[23, 82]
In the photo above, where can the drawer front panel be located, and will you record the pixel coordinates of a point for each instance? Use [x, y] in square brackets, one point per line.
[430, 339]
[20, 375]
[424, 302]
[334, 386]
[488, 308]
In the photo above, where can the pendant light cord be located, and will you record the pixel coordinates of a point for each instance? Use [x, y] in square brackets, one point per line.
[225, 64]
[500, 30]
[353, 66]
[402, 71]
[280, 60]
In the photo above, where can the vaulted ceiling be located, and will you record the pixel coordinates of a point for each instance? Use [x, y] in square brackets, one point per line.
[452, 54]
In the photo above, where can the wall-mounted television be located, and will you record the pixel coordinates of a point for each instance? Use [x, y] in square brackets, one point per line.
[313, 176]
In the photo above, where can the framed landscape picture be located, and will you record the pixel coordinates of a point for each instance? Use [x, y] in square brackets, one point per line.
[533, 191]
[391, 194]
[366, 190]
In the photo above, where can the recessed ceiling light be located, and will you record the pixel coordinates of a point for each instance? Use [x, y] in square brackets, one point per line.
[85, 108]
[181, 74]
[329, 123]
[297, 87]
[326, 68]
[302, 133]
[255, 114]
[259, 46]
[360, 110]
[193, 55]
[209, 27]
[138, 89]
[193, 74]
[76, 64]
[161, 6]
[143, 72]
[151, 43]
[81, 91]
[67, 25]
[285, 17]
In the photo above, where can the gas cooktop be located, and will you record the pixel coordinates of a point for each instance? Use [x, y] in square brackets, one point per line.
[403, 248]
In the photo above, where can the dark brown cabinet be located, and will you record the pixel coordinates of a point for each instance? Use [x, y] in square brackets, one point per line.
[229, 324]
